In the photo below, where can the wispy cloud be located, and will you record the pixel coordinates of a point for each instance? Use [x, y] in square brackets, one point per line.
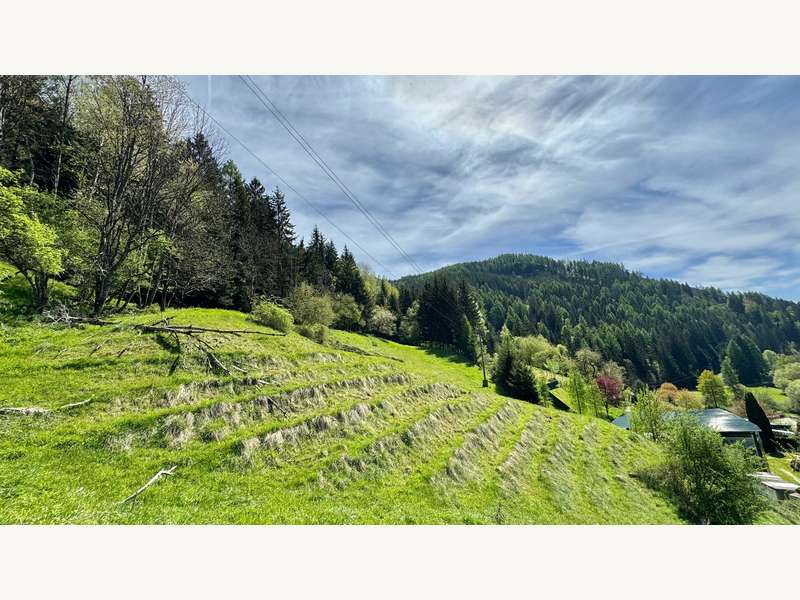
[693, 178]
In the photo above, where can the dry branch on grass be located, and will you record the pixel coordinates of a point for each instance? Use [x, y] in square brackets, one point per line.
[153, 479]
[191, 329]
[61, 315]
[37, 410]
[23, 410]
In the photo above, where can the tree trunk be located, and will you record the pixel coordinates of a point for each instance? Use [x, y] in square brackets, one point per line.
[41, 290]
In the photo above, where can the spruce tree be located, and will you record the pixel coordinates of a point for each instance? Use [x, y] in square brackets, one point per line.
[729, 374]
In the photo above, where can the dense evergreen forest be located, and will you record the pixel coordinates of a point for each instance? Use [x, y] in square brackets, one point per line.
[657, 329]
[116, 187]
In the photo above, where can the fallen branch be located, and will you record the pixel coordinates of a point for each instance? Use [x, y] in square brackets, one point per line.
[23, 410]
[153, 479]
[74, 404]
[190, 329]
[38, 410]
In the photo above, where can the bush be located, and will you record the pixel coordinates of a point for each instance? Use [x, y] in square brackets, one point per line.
[317, 333]
[648, 415]
[382, 321]
[709, 480]
[309, 307]
[793, 393]
[271, 315]
[347, 313]
[786, 374]
[688, 400]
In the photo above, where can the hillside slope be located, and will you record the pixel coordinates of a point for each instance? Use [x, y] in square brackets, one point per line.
[658, 329]
[360, 430]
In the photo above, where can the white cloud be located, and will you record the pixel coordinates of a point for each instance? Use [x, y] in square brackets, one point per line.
[692, 178]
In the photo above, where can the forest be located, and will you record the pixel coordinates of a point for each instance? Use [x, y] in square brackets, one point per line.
[118, 187]
[658, 330]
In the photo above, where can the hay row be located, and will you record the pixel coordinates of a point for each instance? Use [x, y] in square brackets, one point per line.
[343, 420]
[195, 392]
[593, 476]
[524, 453]
[478, 447]
[218, 419]
[556, 471]
[386, 452]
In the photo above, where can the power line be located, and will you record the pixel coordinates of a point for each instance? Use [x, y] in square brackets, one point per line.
[284, 121]
[331, 174]
[286, 183]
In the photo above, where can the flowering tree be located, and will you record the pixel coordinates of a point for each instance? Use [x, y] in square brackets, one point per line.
[611, 389]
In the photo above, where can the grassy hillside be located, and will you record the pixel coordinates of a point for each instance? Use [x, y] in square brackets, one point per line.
[357, 431]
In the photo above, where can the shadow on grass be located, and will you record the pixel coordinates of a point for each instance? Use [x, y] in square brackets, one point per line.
[447, 354]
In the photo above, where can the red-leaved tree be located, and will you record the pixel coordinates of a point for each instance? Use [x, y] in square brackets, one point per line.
[611, 388]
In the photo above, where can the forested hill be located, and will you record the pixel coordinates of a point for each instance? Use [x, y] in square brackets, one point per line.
[658, 329]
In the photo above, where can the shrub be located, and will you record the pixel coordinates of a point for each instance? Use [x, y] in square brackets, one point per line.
[409, 326]
[347, 312]
[793, 393]
[648, 415]
[668, 392]
[317, 333]
[382, 321]
[688, 400]
[271, 315]
[709, 480]
[510, 372]
[786, 374]
[309, 307]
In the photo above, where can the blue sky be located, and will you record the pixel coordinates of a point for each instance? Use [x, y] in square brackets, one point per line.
[691, 178]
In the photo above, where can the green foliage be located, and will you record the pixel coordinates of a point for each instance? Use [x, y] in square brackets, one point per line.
[512, 371]
[543, 392]
[729, 375]
[687, 400]
[578, 389]
[746, 362]
[786, 373]
[315, 331]
[588, 362]
[658, 330]
[310, 307]
[648, 415]
[271, 315]
[348, 313]
[27, 242]
[383, 322]
[709, 480]
[409, 324]
[713, 390]
[793, 394]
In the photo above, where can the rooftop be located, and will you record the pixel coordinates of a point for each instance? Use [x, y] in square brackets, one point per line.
[715, 419]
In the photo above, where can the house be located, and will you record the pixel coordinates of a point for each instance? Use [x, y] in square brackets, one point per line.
[731, 427]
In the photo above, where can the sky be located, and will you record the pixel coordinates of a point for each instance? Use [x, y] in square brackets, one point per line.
[690, 178]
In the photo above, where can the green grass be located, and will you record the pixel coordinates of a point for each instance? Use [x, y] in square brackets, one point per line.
[389, 465]
[368, 430]
[777, 399]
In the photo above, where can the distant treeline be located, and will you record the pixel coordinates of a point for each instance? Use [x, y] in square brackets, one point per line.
[659, 330]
